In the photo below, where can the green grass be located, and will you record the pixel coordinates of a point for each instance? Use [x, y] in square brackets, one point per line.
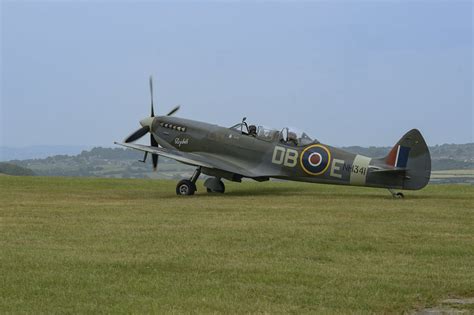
[71, 245]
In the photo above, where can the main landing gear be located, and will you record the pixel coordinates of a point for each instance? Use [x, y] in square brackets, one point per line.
[214, 185]
[187, 187]
[396, 195]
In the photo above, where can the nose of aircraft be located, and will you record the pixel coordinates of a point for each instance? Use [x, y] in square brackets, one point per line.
[147, 121]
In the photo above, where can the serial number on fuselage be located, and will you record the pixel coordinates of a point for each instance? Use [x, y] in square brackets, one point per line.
[354, 169]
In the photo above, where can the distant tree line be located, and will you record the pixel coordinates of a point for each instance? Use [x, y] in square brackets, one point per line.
[118, 162]
[12, 169]
[459, 152]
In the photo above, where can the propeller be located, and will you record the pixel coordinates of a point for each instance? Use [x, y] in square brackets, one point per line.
[154, 157]
[137, 134]
[146, 125]
[174, 110]
[153, 143]
[151, 97]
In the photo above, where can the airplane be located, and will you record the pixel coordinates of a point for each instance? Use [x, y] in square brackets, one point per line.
[259, 153]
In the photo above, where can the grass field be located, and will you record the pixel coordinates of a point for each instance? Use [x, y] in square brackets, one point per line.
[74, 245]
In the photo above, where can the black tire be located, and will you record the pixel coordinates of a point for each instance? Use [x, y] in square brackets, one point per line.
[399, 195]
[220, 191]
[185, 188]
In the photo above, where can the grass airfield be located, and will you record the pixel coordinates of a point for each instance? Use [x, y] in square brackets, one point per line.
[75, 245]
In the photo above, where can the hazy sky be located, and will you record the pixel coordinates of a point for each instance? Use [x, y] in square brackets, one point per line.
[348, 73]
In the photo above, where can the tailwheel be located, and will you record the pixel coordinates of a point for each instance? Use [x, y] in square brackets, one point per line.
[396, 195]
[399, 195]
[185, 188]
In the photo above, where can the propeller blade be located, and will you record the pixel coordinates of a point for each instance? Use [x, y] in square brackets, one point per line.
[151, 95]
[137, 134]
[174, 110]
[153, 142]
[154, 157]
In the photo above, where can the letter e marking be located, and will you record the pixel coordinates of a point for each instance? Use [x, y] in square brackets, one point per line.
[336, 168]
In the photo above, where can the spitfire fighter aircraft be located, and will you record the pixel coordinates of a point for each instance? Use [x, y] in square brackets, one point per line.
[258, 153]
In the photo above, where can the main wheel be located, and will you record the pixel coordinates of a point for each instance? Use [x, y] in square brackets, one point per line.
[399, 195]
[185, 188]
[220, 189]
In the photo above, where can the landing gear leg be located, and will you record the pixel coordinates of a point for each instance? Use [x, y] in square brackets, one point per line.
[195, 176]
[395, 194]
[187, 187]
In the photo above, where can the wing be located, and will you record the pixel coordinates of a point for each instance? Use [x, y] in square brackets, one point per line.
[195, 159]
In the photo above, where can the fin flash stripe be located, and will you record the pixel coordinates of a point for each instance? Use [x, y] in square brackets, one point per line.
[398, 156]
[402, 156]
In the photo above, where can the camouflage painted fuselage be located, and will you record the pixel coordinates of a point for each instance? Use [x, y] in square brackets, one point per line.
[408, 165]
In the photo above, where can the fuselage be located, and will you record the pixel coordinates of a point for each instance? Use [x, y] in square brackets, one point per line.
[314, 162]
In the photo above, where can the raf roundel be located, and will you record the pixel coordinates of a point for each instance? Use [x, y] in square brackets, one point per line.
[315, 159]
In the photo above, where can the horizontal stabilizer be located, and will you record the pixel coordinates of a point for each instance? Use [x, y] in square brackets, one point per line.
[388, 170]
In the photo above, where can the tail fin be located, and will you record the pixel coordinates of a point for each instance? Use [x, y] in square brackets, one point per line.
[411, 153]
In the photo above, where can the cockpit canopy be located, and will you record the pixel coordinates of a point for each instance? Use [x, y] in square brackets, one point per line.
[288, 136]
